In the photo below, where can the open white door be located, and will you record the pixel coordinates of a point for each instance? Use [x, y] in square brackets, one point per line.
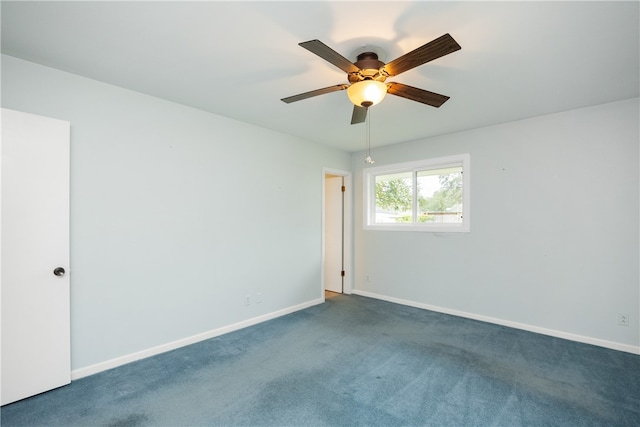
[35, 255]
[333, 233]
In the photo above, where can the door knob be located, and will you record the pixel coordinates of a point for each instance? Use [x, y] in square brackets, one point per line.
[59, 271]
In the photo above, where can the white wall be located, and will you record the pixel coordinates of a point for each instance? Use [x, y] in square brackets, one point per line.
[554, 228]
[176, 214]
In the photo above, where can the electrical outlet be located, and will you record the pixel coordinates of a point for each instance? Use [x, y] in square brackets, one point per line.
[623, 319]
[368, 278]
[247, 300]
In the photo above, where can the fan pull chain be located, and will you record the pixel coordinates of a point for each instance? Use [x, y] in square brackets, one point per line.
[368, 159]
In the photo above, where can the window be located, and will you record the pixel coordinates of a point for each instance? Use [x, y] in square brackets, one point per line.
[427, 195]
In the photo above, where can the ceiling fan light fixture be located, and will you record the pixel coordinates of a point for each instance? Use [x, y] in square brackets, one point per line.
[366, 93]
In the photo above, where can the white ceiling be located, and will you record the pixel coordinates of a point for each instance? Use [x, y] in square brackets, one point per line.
[238, 59]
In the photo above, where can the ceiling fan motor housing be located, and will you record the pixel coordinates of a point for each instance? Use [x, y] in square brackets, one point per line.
[370, 67]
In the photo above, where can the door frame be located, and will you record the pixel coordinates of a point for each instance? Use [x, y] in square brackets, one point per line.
[347, 231]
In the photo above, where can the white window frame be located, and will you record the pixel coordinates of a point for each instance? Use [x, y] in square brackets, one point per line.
[369, 192]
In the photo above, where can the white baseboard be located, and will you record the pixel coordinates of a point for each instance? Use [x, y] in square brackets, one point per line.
[122, 360]
[544, 331]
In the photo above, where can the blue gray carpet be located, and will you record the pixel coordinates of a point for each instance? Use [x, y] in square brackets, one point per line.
[356, 361]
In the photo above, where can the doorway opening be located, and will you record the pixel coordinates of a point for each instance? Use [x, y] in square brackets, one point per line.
[336, 232]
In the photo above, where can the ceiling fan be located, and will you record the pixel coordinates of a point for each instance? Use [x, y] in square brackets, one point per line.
[368, 74]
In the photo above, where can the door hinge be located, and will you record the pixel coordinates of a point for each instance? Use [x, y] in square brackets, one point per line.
[342, 273]
[344, 188]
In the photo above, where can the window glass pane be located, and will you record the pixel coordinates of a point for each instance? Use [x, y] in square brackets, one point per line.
[440, 195]
[394, 198]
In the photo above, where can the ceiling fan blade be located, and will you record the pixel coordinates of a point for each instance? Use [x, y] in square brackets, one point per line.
[415, 94]
[359, 115]
[313, 93]
[330, 55]
[441, 46]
